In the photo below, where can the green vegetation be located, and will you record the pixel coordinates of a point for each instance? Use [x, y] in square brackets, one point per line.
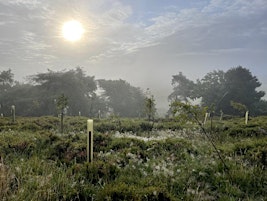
[133, 160]
[86, 96]
[229, 92]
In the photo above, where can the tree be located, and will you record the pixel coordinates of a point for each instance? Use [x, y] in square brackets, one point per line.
[239, 107]
[194, 113]
[6, 79]
[62, 103]
[15, 93]
[150, 107]
[79, 88]
[6, 82]
[218, 89]
[124, 99]
[24, 97]
[241, 86]
[260, 108]
[183, 89]
[212, 89]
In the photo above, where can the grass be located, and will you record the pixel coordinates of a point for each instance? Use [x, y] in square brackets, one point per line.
[132, 162]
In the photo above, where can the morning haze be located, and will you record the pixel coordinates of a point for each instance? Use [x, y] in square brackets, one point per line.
[157, 100]
[144, 43]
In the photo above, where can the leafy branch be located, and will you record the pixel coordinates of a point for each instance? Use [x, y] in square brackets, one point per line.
[193, 112]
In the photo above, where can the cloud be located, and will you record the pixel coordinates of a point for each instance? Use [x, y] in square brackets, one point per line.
[126, 35]
[29, 4]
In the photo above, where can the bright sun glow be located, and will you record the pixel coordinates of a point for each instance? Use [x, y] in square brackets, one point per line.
[72, 30]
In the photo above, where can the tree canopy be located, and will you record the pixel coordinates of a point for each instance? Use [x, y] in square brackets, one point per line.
[78, 87]
[230, 92]
[241, 87]
[40, 96]
[219, 90]
[6, 79]
[183, 88]
[122, 98]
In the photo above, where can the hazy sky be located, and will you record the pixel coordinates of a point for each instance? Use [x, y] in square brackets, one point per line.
[142, 41]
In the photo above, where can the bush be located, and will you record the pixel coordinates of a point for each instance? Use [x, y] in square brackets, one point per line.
[146, 126]
[95, 173]
[122, 191]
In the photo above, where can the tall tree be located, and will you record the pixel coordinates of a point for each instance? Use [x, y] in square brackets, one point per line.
[212, 89]
[124, 99]
[6, 82]
[241, 87]
[219, 89]
[24, 97]
[183, 88]
[6, 79]
[79, 88]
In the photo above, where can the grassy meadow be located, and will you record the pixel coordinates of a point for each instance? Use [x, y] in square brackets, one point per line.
[133, 160]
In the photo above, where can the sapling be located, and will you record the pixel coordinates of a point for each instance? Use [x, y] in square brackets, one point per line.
[193, 112]
[150, 106]
[241, 108]
[62, 103]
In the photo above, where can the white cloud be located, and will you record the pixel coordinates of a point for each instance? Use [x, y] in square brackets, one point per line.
[29, 4]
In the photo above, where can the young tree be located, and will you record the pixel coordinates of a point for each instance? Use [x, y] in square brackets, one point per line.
[194, 114]
[239, 107]
[150, 107]
[62, 103]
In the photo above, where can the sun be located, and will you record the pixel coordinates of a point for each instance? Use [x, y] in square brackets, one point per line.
[72, 30]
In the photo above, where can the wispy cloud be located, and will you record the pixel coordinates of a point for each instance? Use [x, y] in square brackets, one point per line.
[31, 29]
[29, 4]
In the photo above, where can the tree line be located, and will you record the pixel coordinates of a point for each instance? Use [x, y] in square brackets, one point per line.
[231, 92]
[86, 95]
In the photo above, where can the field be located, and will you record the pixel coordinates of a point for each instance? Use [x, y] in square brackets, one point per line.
[133, 160]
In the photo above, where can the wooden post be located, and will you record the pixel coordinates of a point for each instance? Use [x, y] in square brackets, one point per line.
[61, 121]
[206, 117]
[221, 118]
[99, 114]
[90, 140]
[211, 118]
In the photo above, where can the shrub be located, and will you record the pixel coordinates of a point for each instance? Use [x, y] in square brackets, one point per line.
[146, 126]
[122, 191]
[96, 173]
